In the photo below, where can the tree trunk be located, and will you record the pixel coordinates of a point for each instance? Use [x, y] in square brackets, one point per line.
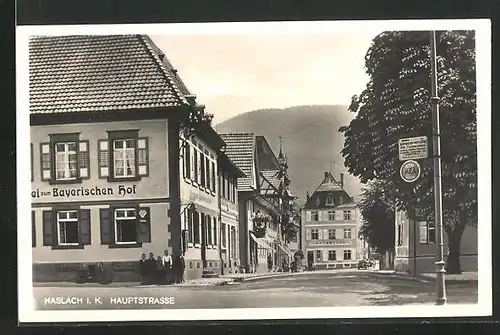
[454, 239]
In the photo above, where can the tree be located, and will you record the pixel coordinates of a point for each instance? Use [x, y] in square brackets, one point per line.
[396, 104]
[377, 212]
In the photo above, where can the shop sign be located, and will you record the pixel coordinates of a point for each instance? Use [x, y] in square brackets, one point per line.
[57, 192]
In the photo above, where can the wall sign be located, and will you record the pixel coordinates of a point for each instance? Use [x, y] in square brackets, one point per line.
[413, 148]
[85, 191]
[410, 171]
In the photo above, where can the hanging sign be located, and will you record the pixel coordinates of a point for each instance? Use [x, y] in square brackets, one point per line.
[410, 171]
[413, 148]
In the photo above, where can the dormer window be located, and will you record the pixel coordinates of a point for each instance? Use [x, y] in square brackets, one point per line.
[330, 201]
[341, 200]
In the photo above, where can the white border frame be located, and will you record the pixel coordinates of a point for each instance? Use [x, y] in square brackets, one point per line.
[483, 58]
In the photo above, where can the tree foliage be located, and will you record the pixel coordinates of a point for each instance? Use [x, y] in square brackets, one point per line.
[378, 217]
[396, 104]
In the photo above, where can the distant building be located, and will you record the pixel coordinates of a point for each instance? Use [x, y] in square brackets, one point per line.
[330, 226]
[415, 245]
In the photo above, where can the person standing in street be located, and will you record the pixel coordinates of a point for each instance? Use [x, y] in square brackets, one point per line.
[143, 268]
[270, 262]
[166, 261]
[150, 269]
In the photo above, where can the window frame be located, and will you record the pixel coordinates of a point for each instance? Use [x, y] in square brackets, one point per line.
[349, 252]
[330, 234]
[347, 215]
[314, 216]
[331, 215]
[59, 221]
[334, 252]
[121, 135]
[313, 233]
[331, 198]
[65, 138]
[349, 231]
[429, 226]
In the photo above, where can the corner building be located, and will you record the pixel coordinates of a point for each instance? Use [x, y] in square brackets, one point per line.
[105, 116]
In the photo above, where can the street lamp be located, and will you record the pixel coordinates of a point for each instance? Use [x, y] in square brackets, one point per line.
[436, 145]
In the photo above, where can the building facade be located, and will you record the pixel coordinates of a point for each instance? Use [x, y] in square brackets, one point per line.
[260, 202]
[124, 161]
[102, 189]
[229, 214]
[415, 245]
[330, 226]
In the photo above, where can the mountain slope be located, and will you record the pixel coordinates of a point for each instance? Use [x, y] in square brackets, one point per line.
[310, 139]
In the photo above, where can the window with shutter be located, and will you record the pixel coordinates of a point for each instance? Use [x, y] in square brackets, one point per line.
[187, 160]
[49, 238]
[208, 177]
[202, 171]
[103, 158]
[106, 226]
[45, 161]
[84, 162]
[190, 226]
[195, 166]
[31, 161]
[84, 227]
[214, 232]
[213, 178]
[128, 156]
[208, 229]
[143, 156]
[196, 225]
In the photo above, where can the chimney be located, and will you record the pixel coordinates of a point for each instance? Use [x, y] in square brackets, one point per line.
[326, 175]
[341, 180]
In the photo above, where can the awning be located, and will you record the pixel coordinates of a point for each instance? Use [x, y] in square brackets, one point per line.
[285, 249]
[261, 244]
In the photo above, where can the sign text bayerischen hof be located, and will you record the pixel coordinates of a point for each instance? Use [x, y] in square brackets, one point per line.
[413, 148]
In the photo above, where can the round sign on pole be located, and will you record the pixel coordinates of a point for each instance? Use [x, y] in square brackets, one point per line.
[410, 171]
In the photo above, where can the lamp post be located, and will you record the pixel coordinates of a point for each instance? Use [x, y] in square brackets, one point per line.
[436, 145]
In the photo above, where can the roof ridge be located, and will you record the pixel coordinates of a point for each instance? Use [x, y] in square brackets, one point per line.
[152, 47]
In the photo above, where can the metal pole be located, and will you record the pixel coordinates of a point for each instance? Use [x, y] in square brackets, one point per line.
[440, 271]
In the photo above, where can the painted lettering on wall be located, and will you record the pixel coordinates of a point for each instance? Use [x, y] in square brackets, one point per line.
[85, 192]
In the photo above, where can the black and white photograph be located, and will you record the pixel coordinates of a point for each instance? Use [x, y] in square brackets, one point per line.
[267, 170]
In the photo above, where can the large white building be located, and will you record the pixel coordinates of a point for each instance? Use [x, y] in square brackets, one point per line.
[330, 226]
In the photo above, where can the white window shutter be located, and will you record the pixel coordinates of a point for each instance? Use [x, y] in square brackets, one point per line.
[308, 234]
[83, 148]
[143, 159]
[308, 215]
[46, 161]
[103, 160]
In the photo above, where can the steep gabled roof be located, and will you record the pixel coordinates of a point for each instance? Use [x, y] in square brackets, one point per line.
[240, 148]
[328, 187]
[329, 184]
[98, 73]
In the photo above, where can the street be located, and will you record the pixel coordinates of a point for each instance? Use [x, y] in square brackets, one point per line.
[343, 288]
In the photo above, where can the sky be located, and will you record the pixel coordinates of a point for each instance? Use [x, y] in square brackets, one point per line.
[234, 74]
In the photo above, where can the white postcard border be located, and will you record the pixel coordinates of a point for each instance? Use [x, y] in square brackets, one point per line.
[27, 313]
